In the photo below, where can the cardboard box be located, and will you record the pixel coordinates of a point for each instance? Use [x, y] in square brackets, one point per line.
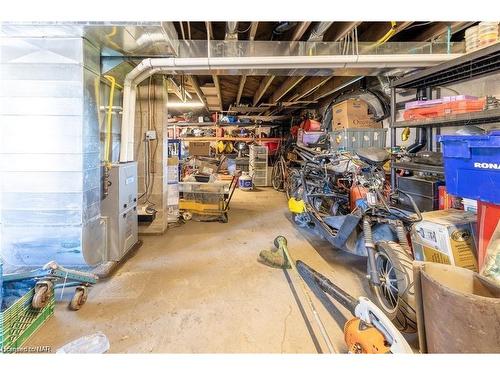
[446, 236]
[352, 107]
[199, 148]
[352, 113]
[350, 122]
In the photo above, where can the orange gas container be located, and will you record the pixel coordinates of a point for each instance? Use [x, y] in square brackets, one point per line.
[356, 192]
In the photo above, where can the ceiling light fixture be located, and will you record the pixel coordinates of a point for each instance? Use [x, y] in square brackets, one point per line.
[184, 104]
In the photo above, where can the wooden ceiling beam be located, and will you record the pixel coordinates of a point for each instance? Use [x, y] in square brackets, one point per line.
[329, 88]
[344, 30]
[218, 90]
[264, 84]
[241, 86]
[438, 29]
[285, 87]
[375, 33]
[300, 29]
[308, 87]
[196, 87]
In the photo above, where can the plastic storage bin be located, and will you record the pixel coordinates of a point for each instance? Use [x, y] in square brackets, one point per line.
[258, 160]
[20, 321]
[472, 166]
[353, 139]
[307, 138]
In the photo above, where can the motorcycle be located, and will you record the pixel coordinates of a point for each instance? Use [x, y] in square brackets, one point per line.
[322, 197]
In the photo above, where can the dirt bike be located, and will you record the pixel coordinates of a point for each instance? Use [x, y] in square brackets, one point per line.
[375, 229]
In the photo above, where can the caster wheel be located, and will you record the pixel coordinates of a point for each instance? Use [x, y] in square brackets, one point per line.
[79, 298]
[41, 298]
[187, 215]
[43, 292]
[224, 218]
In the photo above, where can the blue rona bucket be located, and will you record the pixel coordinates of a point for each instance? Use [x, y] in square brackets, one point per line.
[472, 166]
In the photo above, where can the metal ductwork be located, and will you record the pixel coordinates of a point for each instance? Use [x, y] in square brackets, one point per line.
[148, 67]
[319, 31]
[231, 30]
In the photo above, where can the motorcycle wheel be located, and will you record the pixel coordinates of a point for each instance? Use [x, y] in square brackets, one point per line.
[395, 296]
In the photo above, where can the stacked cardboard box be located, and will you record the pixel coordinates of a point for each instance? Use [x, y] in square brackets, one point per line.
[352, 113]
[199, 148]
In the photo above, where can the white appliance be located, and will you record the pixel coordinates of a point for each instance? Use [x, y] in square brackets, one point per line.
[120, 210]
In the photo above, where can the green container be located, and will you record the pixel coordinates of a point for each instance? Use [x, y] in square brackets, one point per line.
[20, 321]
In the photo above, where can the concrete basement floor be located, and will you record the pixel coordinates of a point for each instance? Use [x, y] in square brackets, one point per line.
[200, 289]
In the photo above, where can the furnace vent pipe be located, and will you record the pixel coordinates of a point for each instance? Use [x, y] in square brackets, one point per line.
[173, 65]
[319, 31]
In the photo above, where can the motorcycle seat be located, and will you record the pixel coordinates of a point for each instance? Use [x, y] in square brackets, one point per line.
[373, 155]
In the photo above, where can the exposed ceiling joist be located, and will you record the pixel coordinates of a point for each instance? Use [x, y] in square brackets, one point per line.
[343, 31]
[300, 29]
[241, 86]
[218, 91]
[285, 87]
[439, 29]
[196, 87]
[264, 84]
[328, 88]
[308, 87]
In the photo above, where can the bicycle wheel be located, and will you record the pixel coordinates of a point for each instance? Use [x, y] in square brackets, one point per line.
[277, 176]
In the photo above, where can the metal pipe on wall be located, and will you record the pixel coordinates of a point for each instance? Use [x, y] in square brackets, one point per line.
[174, 65]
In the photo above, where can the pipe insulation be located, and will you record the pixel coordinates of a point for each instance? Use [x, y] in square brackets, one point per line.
[172, 65]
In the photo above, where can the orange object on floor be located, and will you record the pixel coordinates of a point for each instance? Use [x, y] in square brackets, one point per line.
[488, 216]
[362, 338]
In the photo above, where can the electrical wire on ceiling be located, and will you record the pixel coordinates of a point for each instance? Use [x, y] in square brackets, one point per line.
[244, 31]
[417, 25]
